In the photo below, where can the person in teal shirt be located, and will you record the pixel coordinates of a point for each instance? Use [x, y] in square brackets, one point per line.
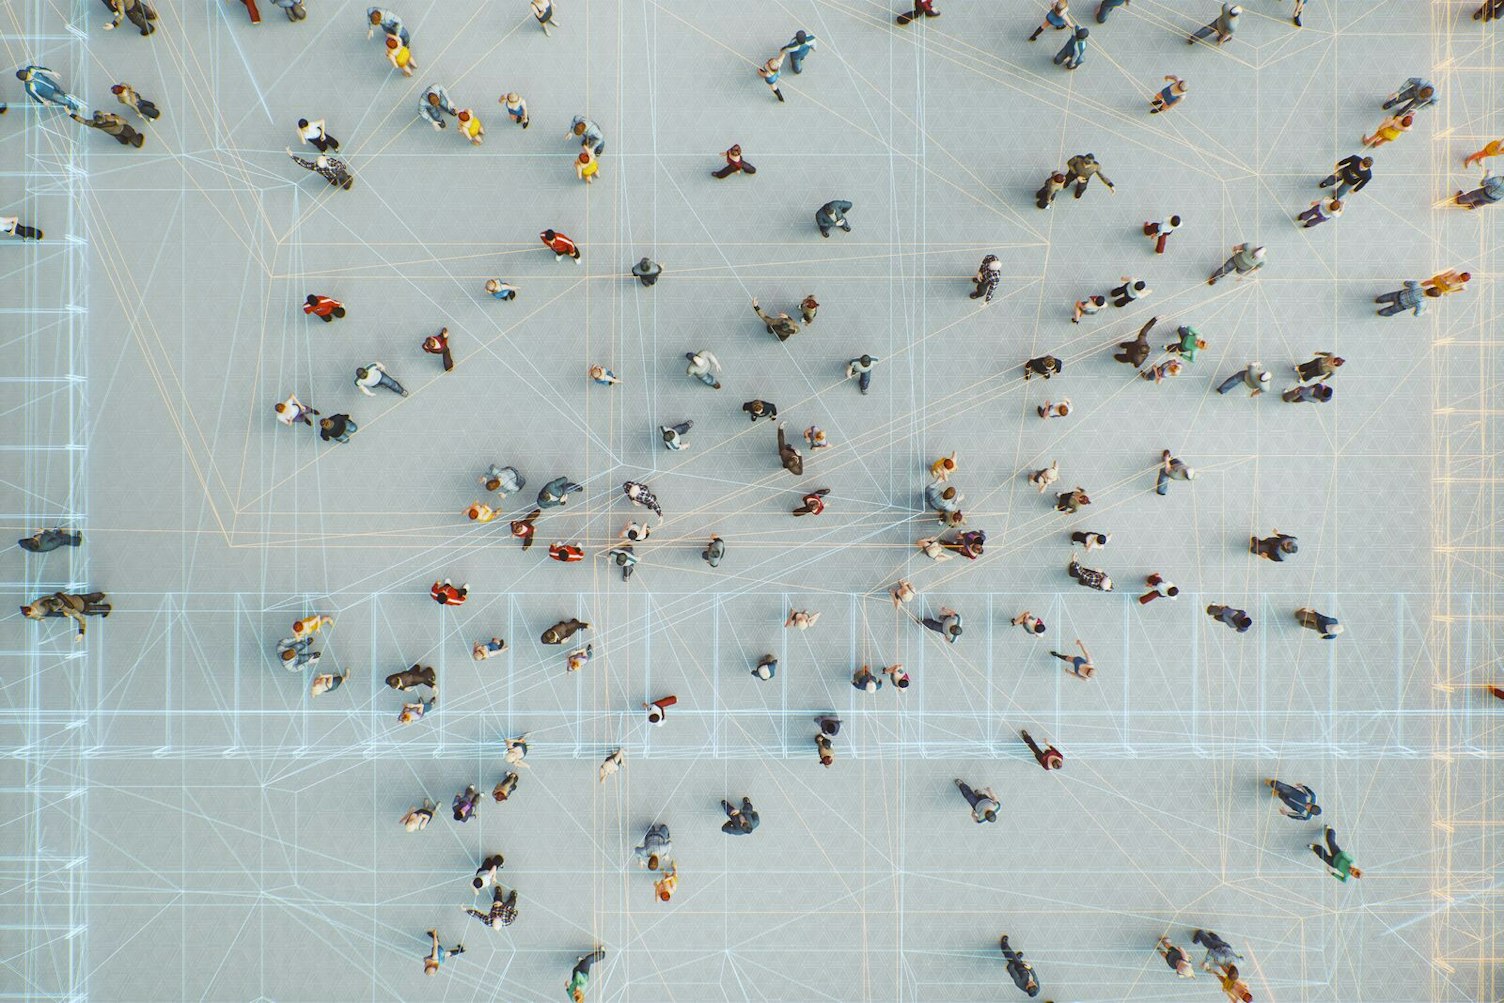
[579, 979]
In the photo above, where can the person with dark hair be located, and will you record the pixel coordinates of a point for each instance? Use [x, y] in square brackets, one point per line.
[760, 409]
[947, 625]
[1058, 18]
[1219, 953]
[560, 245]
[1019, 970]
[418, 675]
[1160, 232]
[1045, 197]
[1314, 393]
[788, 454]
[740, 821]
[325, 308]
[1323, 365]
[446, 593]
[563, 630]
[860, 369]
[832, 215]
[315, 135]
[1297, 800]
[1273, 548]
[526, 528]
[734, 162]
[1159, 588]
[45, 541]
[647, 272]
[465, 803]
[1029, 622]
[1352, 174]
[1326, 626]
[984, 803]
[812, 503]
[1237, 619]
[714, 551]
[337, 428]
[1048, 758]
[1080, 169]
[1131, 291]
[1136, 351]
[1044, 365]
[485, 874]
[1073, 53]
[1176, 958]
[1414, 94]
[657, 847]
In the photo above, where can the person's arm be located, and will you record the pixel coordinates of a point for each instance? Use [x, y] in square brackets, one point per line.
[1363, 182]
[1080, 644]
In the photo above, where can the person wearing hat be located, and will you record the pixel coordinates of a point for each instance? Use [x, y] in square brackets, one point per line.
[516, 107]
[1223, 27]
[801, 45]
[1244, 260]
[647, 271]
[1171, 468]
[1073, 53]
[860, 369]
[1273, 548]
[831, 215]
[984, 804]
[1255, 377]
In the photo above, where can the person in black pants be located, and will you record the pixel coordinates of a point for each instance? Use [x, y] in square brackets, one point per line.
[1019, 970]
[760, 409]
[1350, 175]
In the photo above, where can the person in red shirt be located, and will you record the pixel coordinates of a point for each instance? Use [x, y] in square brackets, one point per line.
[814, 503]
[323, 307]
[1049, 757]
[565, 552]
[560, 245]
[438, 344]
[734, 164]
[524, 528]
[445, 594]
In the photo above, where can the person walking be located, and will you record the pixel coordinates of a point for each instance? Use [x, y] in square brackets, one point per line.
[1489, 191]
[516, 108]
[1232, 984]
[292, 411]
[1090, 541]
[471, 127]
[1414, 94]
[72, 605]
[13, 226]
[832, 215]
[437, 954]
[1297, 801]
[766, 667]
[1389, 130]
[1080, 169]
[579, 978]
[1081, 665]
[760, 409]
[984, 803]
[1160, 231]
[1135, 352]
[503, 911]
[1048, 758]
[797, 48]
[1058, 18]
[1053, 185]
[714, 551]
[1412, 297]
[560, 244]
[647, 271]
[1237, 619]
[1019, 970]
[1219, 953]
[741, 821]
[44, 541]
[1315, 393]
[490, 648]
[1320, 212]
[587, 133]
[417, 819]
[1327, 626]
[139, 12]
[499, 290]
[734, 164]
[675, 437]
[1254, 376]
[1273, 548]
[638, 494]
[989, 274]
[1045, 476]
[543, 13]
[1245, 260]
[703, 365]
[825, 751]
[415, 711]
[1131, 291]
[1351, 175]
[1171, 468]
[485, 874]
[1091, 578]
[1335, 857]
[45, 87]
[783, 326]
[412, 678]
[656, 849]
[1159, 588]
[1072, 501]
[111, 124]
[314, 134]
[557, 491]
[505, 787]
[1176, 958]
[1029, 622]
[1073, 53]
[324, 308]
[465, 804]
[389, 23]
[1493, 148]
[947, 624]
[331, 169]
[808, 308]
[801, 619]
[563, 631]
[445, 593]
[400, 56]
[434, 104]
[374, 374]
[812, 503]
[860, 369]
[1170, 95]
[337, 428]
[1045, 366]
[126, 95]
[1224, 26]
[770, 72]
[294, 654]
[1106, 7]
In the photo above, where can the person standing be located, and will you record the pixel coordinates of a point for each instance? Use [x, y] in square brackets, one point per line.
[1314, 393]
[543, 13]
[314, 134]
[126, 95]
[1273, 548]
[1335, 857]
[812, 503]
[1352, 174]
[657, 848]
[560, 245]
[1237, 619]
[984, 803]
[516, 108]
[438, 344]
[703, 365]
[1321, 210]
[499, 290]
[1489, 191]
[1171, 468]
[831, 215]
[579, 978]
[45, 541]
[770, 72]
[337, 428]
[647, 271]
[1071, 501]
[437, 954]
[1170, 95]
[292, 411]
[801, 45]
[1297, 801]
[741, 821]
[860, 369]
[1053, 185]
[445, 593]
[72, 605]
[1134, 352]
[503, 911]
[324, 308]
[389, 23]
[1245, 260]
[1045, 366]
[563, 631]
[714, 551]
[1176, 958]
[139, 12]
[400, 56]
[1029, 622]
[1160, 231]
[587, 133]
[1058, 18]
[1219, 952]
[1493, 148]
[1048, 758]
[1159, 588]
[760, 409]
[331, 169]
[989, 274]
[1412, 297]
[434, 104]
[1073, 53]
[808, 308]
[675, 437]
[1327, 626]
[1224, 27]
[766, 667]
[1131, 291]
[734, 164]
[1081, 665]
[1080, 169]
[1019, 970]
[1414, 94]
[1389, 130]
[470, 127]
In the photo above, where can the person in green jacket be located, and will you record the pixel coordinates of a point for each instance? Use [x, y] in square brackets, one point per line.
[1336, 858]
[1189, 344]
[579, 979]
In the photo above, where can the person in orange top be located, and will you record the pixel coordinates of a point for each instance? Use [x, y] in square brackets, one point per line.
[942, 468]
[1449, 281]
[560, 245]
[445, 594]
[480, 512]
[1494, 149]
[668, 884]
[323, 307]
[400, 56]
[568, 553]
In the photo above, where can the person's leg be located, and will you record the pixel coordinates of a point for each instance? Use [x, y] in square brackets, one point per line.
[724, 172]
[1202, 32]
[824, 226]
[1227, 266]
[390, 384]
[966, 792]
[1341, 190]
[1033, 746]
[1391, 310]
[1162, 484]
[1226, 385]
[864, 381]
[1331, 841]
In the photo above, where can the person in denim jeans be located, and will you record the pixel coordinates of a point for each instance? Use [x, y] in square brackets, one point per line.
[557, 491]
[374, 375]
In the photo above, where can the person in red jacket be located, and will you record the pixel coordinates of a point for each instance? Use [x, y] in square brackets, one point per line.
[1049, 757]
[438, 344]
[524, 528]
[566, 552]
[734, 164]
[814, 503]
[323, 307]
[445, 594]
[560, 245]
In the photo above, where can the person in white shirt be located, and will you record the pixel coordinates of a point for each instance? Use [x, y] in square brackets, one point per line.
[292, 411]
[14, 226]
[374, 374]
[313, 133]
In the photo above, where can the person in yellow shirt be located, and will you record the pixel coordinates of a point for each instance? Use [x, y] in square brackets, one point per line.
[586, 166]
[1494, 149]
[942, 468]
[400, 56]
[668, 884]
[1389, 130]
[470, 126]
[1449, 281]
[480, 512]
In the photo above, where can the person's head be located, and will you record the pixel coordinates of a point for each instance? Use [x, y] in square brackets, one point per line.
[800, 36]
[1407, 121]
[1425, 94]
[584, 157]
[1082, 33]
[1366, 163]
[579, 128]
[375, 16]
[990, 815]
[513, 98]
[736, 150]
[280, 408]
[1465, 276]
[391, 42]
[1051, 363]
[1200, 343]
[1335, 205]
[1288, 546]
[1057, 178]
[866, 360]
[773, 64]
[312, 300]
[478, 882]
[463, 115]
[1173, 591]
[430, 966]
[1234, 10]
[326, 423]
[31, 612]
[1062, 409]
[120, 89]
[955, 630]
[1175, 220]
[826, 759]
[1354, 872]
[948, 493]
[1322, 392]
[23, 74]
[549, 235]
[302, 122]
[289, 655]
[1140, 286]
[394, 681]
[1259, 253]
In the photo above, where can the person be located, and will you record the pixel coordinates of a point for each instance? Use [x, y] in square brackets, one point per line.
[1135, 352]
[1090, 578]
[1335, 857]
[1412, 297]
[1389, 130]
[1160, 232]
[437, 955]
[1323, 365]
[515, 107]
[400, 56]
[560, 245]
[1073, 53]
[503, 911]
[505, 787]
[516, 751]
[438, 344]
[1326, 626]
[1489, 10]
[860, 369]
[1493, 148]
[1225, 25]
[1273, 548]
[587, 133]
[610, 766]
[770, 72]
[1130, 291]
[1053, 185]
[924, 8]
[13, 226]
[1219, 952]
[445, 593]
[766, 667]
[638, 494]
[465, 803]
[1236, 989]
[331, 169]
[418, 675]
[1320, 212]
[543, 13]
[1048, 758]
[1352, 174]
[292, 411]
[113, 125]
[485, 874]
[337, 428]
[942, 468]
[1080, 169]
[374, 374]
[740, 821]
[647, 271]
[1414, 94]
[1045, 476]
[808, 308]
[1081, 665]
[1171, 468]
[934, 549]
[734, 164]
[714, 551]
[566, 553]
[314, 134]
[564, 630]
[1019, 970]
[798, 47]
[969, 544]
[1489, 191]
[1245, 260]
[667, 883]
[311, 625]
[1161, 371]
[897, 676]
[1029, 622]
[417, 819]
[389, 22]
[1170, 95]
[623, 556]
[556, 492]
[1071, 501]
[502, 480]
[139, 12]
[1058, 17]
[674, 436]
[489, 648]
[294, 653]
[471, 127]
[1176, 958]
[126, 95]
[434, 104]
[825, 751]
[784, 326]
[1297, 801]
[989, 274]
[863, 679]
[984, 803]
[1189, 344]
[812, 503]
[801, 618]
[942, 497]
[1254, 376]
[1044, 365]
[45, 87]
[1315, 393]
[1237, 619]
[656, 849]
[760, 409]
[703, 365]
[1090, 540]
[831, 215]
[947, 625]
[44, 541]
[324, 308]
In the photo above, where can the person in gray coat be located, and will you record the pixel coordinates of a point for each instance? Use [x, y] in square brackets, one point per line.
[1223, 27]
[831, 215]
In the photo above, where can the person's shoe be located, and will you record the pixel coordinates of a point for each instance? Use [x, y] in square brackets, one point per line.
[459, 949]
[715, 386]
[1296, 21]
[404, 393]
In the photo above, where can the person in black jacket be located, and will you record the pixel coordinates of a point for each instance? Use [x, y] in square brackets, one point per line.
[1351, 174]
[1019, 970]
[789, 456]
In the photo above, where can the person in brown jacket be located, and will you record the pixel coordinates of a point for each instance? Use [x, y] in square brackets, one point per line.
[73, 606]
[111, 124]
[563, 631]
[1134, 352]
[1322, 366]
[788, 455]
